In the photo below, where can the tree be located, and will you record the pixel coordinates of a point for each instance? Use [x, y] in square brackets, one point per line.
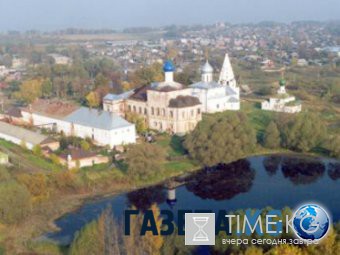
[221, 140]
[90, 239]
[15, 202]
[334, 146]
[145, 161]
[46, 88]
[84, 145]
[30, 90]
[37, 150]
[153, 244]
[139, 121]
[272, 138]
[93, 99]
[147, 75]
[304, 133]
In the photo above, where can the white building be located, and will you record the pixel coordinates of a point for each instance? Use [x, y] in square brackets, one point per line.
[169, 106]
[283, 102]
[104, 128]
[217, 96]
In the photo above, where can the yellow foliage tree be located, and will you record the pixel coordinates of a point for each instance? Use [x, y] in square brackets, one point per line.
[30, 90]
[93, 99]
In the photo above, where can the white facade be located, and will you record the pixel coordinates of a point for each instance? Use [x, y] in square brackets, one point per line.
[282, 103]
[120, 135]
[221, 96]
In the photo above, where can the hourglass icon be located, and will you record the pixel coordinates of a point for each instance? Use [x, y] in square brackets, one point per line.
[200, 235]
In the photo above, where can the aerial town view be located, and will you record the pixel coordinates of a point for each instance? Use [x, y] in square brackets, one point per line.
[174, 128]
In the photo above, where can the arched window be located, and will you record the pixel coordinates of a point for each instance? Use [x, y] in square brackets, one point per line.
[152, 111]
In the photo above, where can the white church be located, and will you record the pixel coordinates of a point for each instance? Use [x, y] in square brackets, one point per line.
[283, 102]
[169, 106]
[217, 96]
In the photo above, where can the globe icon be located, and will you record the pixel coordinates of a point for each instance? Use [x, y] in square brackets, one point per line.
[311, 222]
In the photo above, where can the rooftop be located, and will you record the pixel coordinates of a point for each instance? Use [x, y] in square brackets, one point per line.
[184, 101]
[22, 133]
[114, 97]
[52, 108]
[97, 119]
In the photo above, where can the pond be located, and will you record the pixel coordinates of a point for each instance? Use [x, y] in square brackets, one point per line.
[255, 182]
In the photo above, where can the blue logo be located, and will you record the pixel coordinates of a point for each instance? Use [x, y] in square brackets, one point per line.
[311, 222]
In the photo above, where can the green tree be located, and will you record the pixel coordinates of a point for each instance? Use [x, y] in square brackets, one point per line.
[272, 138]
[304, 133]
[221, 140]
[145, 161]
[46, 88]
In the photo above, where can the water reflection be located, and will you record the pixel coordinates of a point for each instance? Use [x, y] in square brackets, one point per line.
[302, 171]
[271, 164]
[222, 182]
[143, 199]
[334, 171]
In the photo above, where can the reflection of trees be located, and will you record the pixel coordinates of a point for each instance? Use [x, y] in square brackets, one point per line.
[142, 199]
[271, 164]
[302, 171]
[334, 171]
[223, 181]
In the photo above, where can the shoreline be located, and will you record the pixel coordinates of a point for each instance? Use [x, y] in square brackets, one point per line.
[80, 199]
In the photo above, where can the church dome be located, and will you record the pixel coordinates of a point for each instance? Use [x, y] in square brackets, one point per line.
[282, 82]
[168, 66]
[207, 68]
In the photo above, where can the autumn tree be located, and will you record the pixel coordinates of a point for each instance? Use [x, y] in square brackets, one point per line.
[90, 239]
[221, 140]
[139, 121]
[272, 138]
[93, 99]
[15, 202]
[147, 75]
[29, 90]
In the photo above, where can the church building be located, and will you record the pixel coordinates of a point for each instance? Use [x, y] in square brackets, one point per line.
[172, 107]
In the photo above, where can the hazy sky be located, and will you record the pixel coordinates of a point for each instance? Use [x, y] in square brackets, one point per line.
[56, 14]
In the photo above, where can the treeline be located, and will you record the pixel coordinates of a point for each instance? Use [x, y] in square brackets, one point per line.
[228, 138]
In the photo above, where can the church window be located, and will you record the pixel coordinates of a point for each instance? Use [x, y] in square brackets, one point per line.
[171, 114]
[217, 106]
[158, 112]
[145, 111]
[134, 109]
[140, 110]
[152, 111]
[129, 108]
[198, 111]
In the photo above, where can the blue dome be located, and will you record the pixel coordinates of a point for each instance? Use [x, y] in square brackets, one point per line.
[168, 66]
